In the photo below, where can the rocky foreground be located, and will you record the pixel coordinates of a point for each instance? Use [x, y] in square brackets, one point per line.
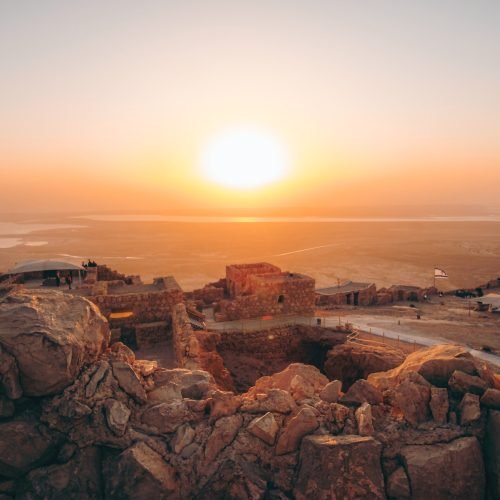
[81, 420]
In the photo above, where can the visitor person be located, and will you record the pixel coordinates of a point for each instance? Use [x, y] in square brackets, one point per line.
[58, 279]
[69, 280]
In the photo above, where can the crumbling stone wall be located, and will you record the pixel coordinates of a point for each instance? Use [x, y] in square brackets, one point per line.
[105, 273]
[238, 276]
[149, 334]
[147, 307]
[284, 293]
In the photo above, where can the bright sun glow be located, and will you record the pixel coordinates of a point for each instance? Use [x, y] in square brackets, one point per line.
[244, 158]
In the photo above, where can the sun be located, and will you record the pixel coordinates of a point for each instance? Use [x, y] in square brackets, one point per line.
[244, 158]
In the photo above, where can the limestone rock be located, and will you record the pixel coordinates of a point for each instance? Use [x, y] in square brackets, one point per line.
[461, 382]
[79, 478]
[140, 472]
[165, 393]
[51, 335]
[167, 417]
[436, 364]
[223, 434]
[275, 400]
[365, 420]
[9, 375]
[299, 426]
[491, 399]
[331, 392]
[183, 437]
[351, 362]
[283, 380]
[7, 407]
[264, 428]
[339, 467]
[398, 485]
[492, 453]
[469, 408]
[24, 445]
[223, 404]
[413, 400]
[452, 470]
[193, 384]
[120, 352]
[439, 404]
[129, 381]
[300, 388]
[362, 392]
[117, 415]
[96, 378]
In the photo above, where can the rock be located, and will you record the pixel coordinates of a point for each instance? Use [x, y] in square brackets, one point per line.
[80, 478]
[439, 404]
[183, 437]
[9, 375]
[129, 381]
[492, 453]
[120, 352]
[452, 470]
[24, 445]
[299, 426]
[461, 382]
[96, 378]
[351, 362]
[223, 404]
[339, 467]
[436, 364]
[140, 472]
[362, 392]
[7, 408]
[364, 419]
[167, 417]
[283, 380]
[165, 393]
[190, 450]
[300, 388]
[223, 434]
[117, 415]
[413, 400]
[398, 485]
[264, 428]
[469, 408]
[145, 367]
[331, 392]
[51, 335]
[491, 399]
[275, 400]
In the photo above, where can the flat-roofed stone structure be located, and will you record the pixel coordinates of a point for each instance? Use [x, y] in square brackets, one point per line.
[263, 289]
[349, 293]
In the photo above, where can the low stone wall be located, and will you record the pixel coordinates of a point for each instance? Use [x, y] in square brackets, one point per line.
[148, 307]
[149, 334]
[105, 273]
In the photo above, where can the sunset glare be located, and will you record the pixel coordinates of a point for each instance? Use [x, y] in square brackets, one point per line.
[244, 158]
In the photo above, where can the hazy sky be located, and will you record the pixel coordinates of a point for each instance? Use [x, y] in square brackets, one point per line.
[109, 104]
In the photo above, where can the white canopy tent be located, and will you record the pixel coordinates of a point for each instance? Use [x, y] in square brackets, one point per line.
[33, 266]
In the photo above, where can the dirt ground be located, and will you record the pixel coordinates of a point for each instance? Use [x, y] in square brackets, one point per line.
[448, 318]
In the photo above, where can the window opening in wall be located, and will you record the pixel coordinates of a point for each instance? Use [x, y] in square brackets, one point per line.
[281, 299]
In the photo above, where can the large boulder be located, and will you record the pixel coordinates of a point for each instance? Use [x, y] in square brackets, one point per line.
[340, 467]
[452, 470]
[350, 362]
[79, 478]
[24, 445]
[140, 472]
[362, 392]
[492, 453]
[299, 426]
[436, 364]
[51, 335]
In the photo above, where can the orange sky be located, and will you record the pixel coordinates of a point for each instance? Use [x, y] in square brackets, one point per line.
[109, 107]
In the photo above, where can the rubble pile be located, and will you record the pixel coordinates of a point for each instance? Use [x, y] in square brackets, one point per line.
[79, 419]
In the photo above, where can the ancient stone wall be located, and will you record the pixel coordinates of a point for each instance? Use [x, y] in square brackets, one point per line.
[237, 276]
[365, 297]
[147, 307]
[280, 295]
[150, 334]
[105, 273]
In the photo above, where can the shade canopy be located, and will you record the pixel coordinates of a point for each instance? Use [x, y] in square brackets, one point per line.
[31, 266]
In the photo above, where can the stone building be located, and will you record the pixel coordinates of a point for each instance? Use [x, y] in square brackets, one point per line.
[350, 293]
[263, 289]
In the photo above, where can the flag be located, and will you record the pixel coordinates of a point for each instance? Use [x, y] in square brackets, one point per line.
[439, 273]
